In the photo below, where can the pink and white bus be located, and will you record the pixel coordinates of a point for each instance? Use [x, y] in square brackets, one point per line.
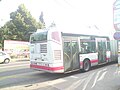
[59, 52]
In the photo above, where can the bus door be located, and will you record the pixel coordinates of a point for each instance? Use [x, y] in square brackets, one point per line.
[75, 50]
[101, 46]
[70, 56]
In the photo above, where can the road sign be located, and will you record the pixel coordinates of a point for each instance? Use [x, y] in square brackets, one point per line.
[116, 14]
[116, 35]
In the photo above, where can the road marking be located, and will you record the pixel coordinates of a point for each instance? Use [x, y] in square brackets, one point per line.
[75, 84]
[102, 76]
[96, 78]
[117, 71]
[13, 66]
[74, 77]
[88, 80]
[53, 82]
[17, 75]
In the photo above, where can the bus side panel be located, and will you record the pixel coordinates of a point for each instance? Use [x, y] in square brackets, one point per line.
[93, 57]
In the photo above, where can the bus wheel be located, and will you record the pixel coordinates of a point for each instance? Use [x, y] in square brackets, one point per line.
[86, 65]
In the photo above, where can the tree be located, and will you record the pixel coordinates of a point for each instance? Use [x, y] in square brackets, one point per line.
[20, 26]
[41, 19]
[7, 32]
[24, 23]
[1, 37]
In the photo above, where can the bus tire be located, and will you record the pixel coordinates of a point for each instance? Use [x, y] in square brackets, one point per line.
[86, 65]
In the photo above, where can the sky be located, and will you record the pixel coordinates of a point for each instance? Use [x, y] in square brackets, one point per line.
[86, 16]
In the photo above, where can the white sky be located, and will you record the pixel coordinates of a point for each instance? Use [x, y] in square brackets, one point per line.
[69, 15]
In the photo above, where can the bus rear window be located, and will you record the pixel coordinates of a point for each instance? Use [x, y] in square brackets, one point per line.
[42, 36]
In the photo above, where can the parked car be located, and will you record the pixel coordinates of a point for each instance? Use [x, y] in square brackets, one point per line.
[4, 57]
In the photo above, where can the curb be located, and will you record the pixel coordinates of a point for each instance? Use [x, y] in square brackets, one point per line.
[20, 60]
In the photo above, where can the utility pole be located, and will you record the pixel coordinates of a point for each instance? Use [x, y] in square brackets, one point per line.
[116, 23]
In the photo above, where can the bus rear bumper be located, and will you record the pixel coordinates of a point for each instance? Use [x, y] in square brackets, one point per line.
[59, 69]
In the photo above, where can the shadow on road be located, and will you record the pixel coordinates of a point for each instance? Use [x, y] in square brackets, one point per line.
[40, 76]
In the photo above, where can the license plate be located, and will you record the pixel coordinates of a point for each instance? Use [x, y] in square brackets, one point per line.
[42, 64]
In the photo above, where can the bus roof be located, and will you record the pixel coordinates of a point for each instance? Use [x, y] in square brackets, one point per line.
[71, 33]
[77, 35]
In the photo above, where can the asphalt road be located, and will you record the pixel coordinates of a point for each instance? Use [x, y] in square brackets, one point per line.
[18, 76]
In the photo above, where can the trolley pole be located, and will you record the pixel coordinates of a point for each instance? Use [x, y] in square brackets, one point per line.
[118, 53]
[116, 23]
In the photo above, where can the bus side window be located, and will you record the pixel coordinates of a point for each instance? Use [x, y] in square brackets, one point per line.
[88, 46]
[93, 47]
[66, 46]
[83, 48]
[108, 45]
[32, 39]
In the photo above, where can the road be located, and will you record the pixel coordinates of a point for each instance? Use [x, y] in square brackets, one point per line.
[18, 76]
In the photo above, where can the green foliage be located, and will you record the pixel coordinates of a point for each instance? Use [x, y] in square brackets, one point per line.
[24, 23]
[21, 25]
[41, 19]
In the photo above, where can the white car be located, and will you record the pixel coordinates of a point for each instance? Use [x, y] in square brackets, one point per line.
[4, 57]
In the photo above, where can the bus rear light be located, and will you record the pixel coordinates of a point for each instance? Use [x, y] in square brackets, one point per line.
[57, 54]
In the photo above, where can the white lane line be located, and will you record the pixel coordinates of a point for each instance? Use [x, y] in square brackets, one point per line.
[14, 66]
[74, 77]
[78, 83]
[117, 71]
[97, 76]
[88, 80]
[102, 76]
[75, 84]
[53, 82]
[96, 79]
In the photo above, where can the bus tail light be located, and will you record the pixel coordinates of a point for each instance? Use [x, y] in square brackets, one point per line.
[57, 54]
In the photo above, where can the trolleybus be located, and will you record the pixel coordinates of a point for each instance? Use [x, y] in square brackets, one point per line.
[58, 52]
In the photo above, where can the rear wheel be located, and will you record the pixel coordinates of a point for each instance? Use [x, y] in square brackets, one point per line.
[86, 65]
[6, 60]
